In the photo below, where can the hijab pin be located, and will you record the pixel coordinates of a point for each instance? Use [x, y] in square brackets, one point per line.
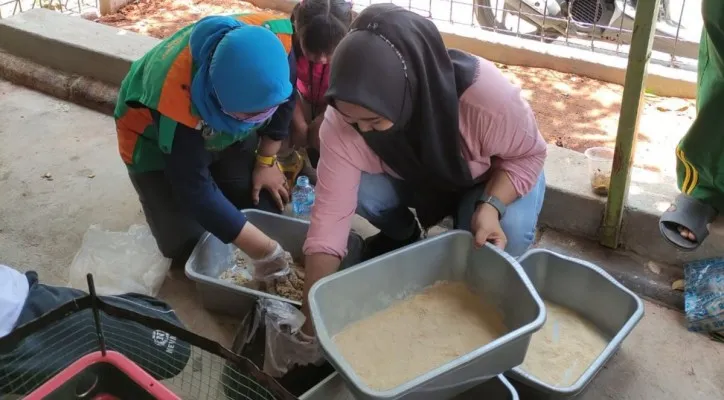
[372, 25]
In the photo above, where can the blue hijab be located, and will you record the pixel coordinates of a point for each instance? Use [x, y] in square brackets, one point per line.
[239, 68]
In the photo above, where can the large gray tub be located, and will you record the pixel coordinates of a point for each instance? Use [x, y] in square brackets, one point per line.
[358, 292]
[334, 388]
[211, 257]
[588, 290]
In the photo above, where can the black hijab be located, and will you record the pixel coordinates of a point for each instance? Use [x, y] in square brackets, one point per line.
[395, 64]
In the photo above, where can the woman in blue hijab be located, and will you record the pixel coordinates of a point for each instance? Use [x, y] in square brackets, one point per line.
[199, 120]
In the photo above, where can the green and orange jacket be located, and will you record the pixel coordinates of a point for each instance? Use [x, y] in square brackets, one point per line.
[155, 97]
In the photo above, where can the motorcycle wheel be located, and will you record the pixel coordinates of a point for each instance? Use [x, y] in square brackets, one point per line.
[485, 14]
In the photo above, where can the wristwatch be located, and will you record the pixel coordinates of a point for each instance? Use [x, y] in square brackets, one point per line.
[493, 201]
[266, 160]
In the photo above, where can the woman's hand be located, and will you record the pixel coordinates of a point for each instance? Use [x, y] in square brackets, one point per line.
[272, 179]
[486, 227]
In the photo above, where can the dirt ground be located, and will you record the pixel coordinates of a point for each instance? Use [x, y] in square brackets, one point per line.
[161, 18]
[574, 112]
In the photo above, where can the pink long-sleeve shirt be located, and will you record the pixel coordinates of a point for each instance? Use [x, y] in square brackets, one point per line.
[498, 131]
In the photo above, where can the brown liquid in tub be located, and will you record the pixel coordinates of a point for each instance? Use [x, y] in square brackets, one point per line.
[564, 348]
[418, 334]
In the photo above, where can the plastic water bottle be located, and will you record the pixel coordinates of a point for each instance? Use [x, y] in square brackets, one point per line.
[302, 198]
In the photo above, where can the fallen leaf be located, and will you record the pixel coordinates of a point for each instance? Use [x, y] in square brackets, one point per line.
[91, 176]
[679, 285]
[673, 104]
[653, 267]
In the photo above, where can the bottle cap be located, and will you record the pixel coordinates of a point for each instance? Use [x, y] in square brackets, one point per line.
[302, 180]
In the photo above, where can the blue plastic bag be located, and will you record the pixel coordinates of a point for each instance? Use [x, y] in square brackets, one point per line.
[704, 295]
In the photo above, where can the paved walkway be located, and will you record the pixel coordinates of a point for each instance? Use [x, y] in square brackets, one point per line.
[42, 222]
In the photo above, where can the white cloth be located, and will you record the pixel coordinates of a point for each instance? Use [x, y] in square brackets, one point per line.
[14, 290]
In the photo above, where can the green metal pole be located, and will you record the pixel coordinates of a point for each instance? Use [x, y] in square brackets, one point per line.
[628, 122]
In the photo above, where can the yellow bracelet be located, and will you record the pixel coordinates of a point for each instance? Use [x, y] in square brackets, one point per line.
[266, 160]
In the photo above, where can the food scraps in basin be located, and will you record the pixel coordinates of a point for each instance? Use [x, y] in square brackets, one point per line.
[600, 183]
[289, 287]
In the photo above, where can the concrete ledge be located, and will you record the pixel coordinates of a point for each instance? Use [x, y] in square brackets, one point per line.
[570, 206]
[73, 45]
[38, 77]
[662, 81]
[92, 60]
[81, 90]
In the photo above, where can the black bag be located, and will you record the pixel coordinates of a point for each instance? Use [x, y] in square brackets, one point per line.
[33, 359]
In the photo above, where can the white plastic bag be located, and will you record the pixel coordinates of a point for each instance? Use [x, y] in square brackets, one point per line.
[121, 262]
[286, 345]
[704, 296]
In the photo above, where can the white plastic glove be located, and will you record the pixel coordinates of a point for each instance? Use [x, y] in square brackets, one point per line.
[272, 266]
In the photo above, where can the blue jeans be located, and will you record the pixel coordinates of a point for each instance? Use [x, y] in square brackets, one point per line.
[384, 201]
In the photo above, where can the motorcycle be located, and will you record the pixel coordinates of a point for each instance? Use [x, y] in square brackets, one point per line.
[607, 20]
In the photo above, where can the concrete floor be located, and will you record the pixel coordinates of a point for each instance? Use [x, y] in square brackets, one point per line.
[42, 222]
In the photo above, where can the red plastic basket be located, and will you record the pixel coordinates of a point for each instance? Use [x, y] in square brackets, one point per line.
[100, 377]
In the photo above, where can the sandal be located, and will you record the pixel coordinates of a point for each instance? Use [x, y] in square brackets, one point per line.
[688, 213]
[291, 166]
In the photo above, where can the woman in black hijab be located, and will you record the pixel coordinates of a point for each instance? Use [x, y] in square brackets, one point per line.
[415, 125]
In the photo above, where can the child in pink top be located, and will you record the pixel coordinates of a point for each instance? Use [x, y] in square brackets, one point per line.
[319, 25]
[415, 125]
